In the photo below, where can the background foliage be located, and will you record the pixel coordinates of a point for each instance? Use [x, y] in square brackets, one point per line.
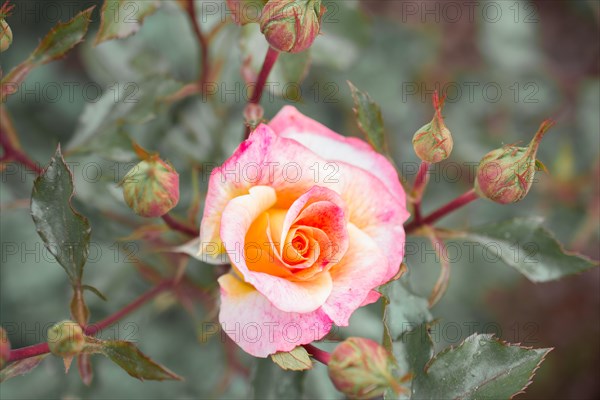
[542, 55]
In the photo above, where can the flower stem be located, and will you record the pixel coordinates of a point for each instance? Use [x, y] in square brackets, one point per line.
[202, 43]
[92, 329]
[29, 351]
[419, 186]
[441, 212]
[179, 227]
[320, 355]
[13, 154]
[268, 64]
[270, 59]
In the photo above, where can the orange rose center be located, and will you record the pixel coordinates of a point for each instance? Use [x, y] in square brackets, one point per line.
[297, 254]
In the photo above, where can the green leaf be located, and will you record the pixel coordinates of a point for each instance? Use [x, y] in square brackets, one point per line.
[525, 245]
[295, 360]
[369, 119]
[404, 311]
[55, 45]
[412, 351]
[481, 367]
[122, 18]
[20, 367]
[65, 232]
[134, 362]
[271, 382]
[415, 349]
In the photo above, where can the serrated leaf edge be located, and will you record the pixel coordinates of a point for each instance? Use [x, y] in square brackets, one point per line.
[87, 13]
[58, 154]
[139, 23]
[490, 336]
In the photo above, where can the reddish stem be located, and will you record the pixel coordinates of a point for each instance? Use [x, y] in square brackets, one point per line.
[13, 154]
[202, 43]
[320, 355]
[137, 303]
[179, 227]
[457, 203]
[270, 59]
[29, 351]
[418, 189]
[42, 348]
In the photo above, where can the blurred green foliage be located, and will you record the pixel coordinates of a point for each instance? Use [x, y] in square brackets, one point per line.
[502, 74]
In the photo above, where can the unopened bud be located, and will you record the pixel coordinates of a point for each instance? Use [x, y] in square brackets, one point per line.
[66, 339]
[245, 11]
[4, 348]
[6, 36]
[505, 175]
[433, 142]
[291, 25]
[151, 188]
[361, 369]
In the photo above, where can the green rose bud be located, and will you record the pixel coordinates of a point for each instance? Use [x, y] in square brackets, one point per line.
[4, 348]
[151, 188]
[505, 175]
[66, 339]
[361, 369]
[433, 142]
[291, 25]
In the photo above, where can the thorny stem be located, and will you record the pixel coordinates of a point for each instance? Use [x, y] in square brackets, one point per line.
[202, 43]
[179, 227]
[320, 355]
[92, 329]
[441, 212]
[267, 66]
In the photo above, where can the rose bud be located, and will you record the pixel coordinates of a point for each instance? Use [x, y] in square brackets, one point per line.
[4, 348]
[505, 175]
[433, 142]
[245, 11]
[6, 36]
[151, 188]
[361, 369]
[66, 339]
[291, 25]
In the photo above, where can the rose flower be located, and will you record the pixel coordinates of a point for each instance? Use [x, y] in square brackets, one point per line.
[311, 222]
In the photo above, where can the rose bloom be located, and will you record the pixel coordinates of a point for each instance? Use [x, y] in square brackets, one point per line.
[311, 222]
